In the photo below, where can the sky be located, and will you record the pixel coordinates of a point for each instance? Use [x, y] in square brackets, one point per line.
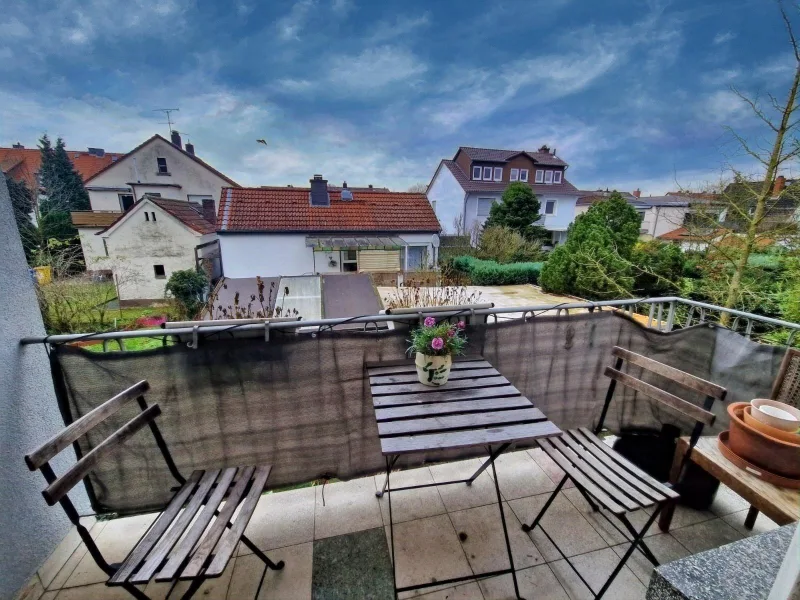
[630, 93]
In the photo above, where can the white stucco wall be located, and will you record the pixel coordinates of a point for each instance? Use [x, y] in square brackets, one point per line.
[135, 245]
[193, 178]
[663, 219]
[448, 198]
[322, 260]
[564, 214]
[30, 416]
[471, 218]
[286, 254]
[265, 254]
[94, 252]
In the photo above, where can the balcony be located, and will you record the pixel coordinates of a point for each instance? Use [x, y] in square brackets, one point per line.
[296, 398]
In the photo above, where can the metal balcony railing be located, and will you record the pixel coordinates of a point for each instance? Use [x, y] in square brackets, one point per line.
[662, 314]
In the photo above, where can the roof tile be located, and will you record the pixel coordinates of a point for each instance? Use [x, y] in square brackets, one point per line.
[273, 209]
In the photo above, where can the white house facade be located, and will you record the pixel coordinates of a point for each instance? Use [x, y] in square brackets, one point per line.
[288, 231]
[149, 242]
[157, 168]
[463, 190]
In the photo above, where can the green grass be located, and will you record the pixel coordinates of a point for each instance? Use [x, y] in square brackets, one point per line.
[131, 345]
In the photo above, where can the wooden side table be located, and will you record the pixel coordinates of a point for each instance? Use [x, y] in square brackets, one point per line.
[782, 505]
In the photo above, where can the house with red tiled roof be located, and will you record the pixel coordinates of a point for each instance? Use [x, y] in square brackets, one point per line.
[285, 231]
[143, 246]
[23, 164]
[463, 189]
[156, 168]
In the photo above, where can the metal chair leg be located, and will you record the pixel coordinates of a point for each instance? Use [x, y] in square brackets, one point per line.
[636, 541]
[135, 592]
[547, 504]
[270, 565]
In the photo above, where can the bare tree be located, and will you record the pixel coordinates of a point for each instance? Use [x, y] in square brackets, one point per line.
[742, 213]
[418, 188]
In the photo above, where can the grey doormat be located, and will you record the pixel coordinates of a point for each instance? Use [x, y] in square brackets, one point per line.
[352, 567]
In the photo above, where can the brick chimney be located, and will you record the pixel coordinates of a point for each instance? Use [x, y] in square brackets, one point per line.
[190, 148]
[210, 211]
[176, 139]
[637, 192]
[18, 146]
[780, 185]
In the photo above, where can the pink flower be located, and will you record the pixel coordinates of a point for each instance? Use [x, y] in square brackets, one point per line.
[437, 343]
[451, 332]
[429, 321]
[462, 325]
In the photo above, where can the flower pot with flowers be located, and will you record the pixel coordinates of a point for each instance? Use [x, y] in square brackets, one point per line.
[435, 344]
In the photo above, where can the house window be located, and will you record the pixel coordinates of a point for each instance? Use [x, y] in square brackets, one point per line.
[154, 217]
[514, 175]
[159, 272]
[476, 173]
[484, 206]
[498, 173]
[539, 176]
[487, 173]
[548, 177]
[146, 216]
[126, 201]
[556, 176]
[162, 166]
[550, 207]
[350, 261]
[417, 257]
[523, 174]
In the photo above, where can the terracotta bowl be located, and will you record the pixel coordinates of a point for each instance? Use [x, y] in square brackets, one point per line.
[786, 436]
[762, 449]
[769, 417]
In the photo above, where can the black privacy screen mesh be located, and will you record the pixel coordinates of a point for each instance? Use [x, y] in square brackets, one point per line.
[300, 402]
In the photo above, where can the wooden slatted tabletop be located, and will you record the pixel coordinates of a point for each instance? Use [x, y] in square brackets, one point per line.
[477, 406]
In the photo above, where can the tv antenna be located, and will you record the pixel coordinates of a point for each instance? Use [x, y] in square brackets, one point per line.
[167, 111]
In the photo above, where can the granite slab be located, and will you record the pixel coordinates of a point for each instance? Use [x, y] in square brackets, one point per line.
[719, 574]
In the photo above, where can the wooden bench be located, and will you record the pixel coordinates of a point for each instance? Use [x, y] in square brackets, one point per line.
[182, 543]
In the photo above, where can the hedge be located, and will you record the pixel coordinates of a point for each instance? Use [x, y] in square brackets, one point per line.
[489, 272]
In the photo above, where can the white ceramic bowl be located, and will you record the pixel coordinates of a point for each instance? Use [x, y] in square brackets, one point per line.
[776, 414]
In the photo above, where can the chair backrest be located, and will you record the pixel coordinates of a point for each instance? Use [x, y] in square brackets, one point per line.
[702, 416]
[39, 459]
[787, 384]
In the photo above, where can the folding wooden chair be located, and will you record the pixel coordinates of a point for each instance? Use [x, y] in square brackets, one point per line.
[787, 384]
[604, 477]
[179, 544]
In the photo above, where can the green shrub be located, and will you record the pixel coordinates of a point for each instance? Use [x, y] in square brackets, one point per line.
[188, 288]
[506, 245]
[489, 272]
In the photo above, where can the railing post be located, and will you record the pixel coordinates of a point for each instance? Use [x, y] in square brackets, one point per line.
[660, 316]
[671, 316]
[650, 316]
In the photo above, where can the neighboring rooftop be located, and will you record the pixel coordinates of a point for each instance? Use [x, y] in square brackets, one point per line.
[94, 218]
[470, 185]
[22, 163]
[542, 156]
[185, 212]
[284, 209]
[177, 147]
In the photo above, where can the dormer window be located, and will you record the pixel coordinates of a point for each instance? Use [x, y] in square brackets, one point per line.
[556, 176]
[539, 175]
[523, 175]
[498, 173]
[514, 175]
[476, 173]
[487, 173]
[548, 177]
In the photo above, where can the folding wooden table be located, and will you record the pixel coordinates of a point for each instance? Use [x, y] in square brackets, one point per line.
[477, 407]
